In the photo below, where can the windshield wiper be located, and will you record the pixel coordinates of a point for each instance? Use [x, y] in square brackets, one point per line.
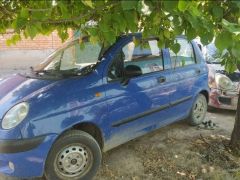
[66, 73]
[88, 69]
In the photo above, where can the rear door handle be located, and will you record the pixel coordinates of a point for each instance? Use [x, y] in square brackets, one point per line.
[161, 79]
[198, 71]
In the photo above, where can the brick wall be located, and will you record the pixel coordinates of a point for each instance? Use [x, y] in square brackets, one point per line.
[40, 42]
[27, 52]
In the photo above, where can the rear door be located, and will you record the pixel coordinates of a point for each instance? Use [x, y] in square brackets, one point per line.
[186, 72]
[138, 105]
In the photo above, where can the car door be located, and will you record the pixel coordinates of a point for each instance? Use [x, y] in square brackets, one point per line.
[186, 72]
[136, 104]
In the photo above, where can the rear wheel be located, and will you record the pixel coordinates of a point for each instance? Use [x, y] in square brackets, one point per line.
[199, 110]
[76, 155]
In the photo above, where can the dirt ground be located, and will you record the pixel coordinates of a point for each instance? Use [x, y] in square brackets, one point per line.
[177, 151]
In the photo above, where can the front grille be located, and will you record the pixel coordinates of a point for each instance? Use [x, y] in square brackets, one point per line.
[225, 100]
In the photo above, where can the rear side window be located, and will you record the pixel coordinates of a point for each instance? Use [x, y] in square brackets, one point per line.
[185, 56]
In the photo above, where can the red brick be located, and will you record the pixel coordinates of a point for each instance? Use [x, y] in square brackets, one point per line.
[40, 42]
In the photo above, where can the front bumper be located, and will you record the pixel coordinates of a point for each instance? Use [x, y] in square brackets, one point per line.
[223, 100]
[25, 158]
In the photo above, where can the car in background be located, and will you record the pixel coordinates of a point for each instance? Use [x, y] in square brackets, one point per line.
[56, 120]
[224, 87]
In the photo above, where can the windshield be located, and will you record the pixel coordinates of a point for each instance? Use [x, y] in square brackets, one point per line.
[73, 55]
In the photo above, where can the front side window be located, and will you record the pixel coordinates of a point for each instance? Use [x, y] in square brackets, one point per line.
[135, 60]
[72, 56]
[185, 56]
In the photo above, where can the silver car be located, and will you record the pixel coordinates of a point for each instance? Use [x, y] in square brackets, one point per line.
[224, 87]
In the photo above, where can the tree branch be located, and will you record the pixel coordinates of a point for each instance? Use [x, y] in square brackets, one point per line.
[60, 21]
[38, 10]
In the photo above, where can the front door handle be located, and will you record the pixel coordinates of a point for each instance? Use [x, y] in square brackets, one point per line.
[161, 79]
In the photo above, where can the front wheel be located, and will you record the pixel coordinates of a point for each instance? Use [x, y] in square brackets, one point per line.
[199, 110]
[76, 156]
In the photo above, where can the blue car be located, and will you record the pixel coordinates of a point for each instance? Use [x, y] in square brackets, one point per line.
[57, 119]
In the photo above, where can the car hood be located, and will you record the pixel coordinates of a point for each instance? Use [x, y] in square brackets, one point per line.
[235, 76]
[18, 88]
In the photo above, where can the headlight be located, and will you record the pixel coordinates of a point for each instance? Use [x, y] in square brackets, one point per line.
[223, 82]
[15, 115]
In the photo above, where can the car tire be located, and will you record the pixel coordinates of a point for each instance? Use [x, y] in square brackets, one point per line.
[76, 155]
[198, 111]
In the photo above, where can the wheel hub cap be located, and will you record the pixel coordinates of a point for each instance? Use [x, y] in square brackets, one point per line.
[199, 109]
[73, 161]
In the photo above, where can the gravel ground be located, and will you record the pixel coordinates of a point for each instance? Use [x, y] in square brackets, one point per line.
[167, 153]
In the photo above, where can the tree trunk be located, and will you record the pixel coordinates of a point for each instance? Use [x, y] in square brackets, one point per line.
[235, 138]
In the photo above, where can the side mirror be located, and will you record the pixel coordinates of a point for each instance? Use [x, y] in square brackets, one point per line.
[130, 71]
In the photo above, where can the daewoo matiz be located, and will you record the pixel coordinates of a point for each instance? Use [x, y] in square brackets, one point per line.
[58, 119]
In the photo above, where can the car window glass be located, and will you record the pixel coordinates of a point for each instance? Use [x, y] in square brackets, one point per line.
[185, 56]
[145, 57]
[55, 61]
[68, 59]
[75, 57]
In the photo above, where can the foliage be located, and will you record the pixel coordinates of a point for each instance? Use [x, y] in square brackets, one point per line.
[165, 19]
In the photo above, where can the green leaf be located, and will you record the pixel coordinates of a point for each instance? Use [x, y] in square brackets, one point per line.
[183, 5]
[64, 10]
[18, 23]
[155, 18]
[176, 21]
[13, 40]
[31, 31]
[170, 5]
[104, 26]
[38, 15]
[223, 40]
[88, 3]
[166, 33]
[231, 27]
[230, 66]
[63, 33]
[217, 12]
[161, 42]
[109, 36]
[178, 30]
[193, 20]
[191, 33]
[94, 39]
[24, 13]
[235, 49]
[237, 3]
[131, 19]
[175, 48]
[193, 9]
[93, 31]
[206, 36]
[129, 5]
[119, 22]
